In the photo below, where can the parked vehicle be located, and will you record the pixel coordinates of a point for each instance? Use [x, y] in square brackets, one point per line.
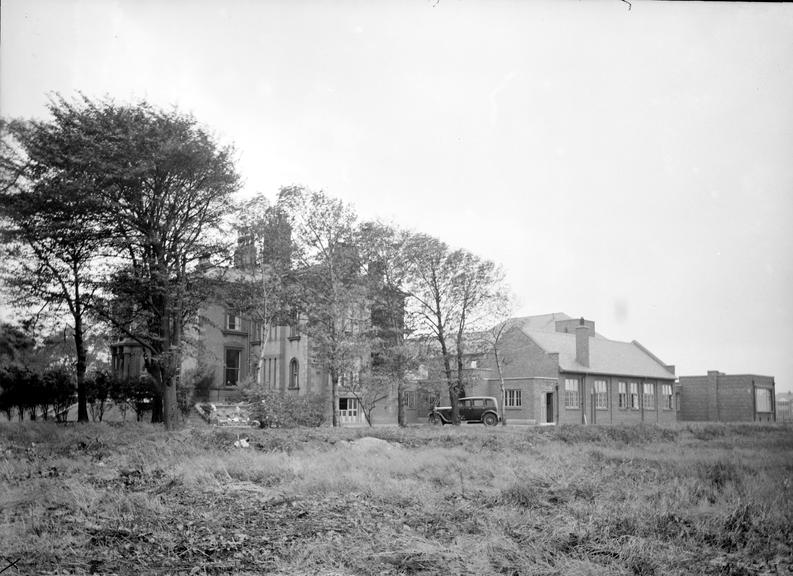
[473, 409]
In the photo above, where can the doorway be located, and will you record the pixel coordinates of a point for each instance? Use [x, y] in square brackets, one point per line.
[549, 407]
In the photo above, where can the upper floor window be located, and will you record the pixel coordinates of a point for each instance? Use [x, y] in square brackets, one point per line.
[601, 395]
[648, 398]
[513, 398]
[233, 322]
[762, 399]
[294, 374]
[571, 397]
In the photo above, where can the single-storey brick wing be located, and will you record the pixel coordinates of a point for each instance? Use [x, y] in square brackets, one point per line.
[557, 369]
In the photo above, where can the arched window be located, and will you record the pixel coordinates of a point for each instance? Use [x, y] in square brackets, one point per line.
[294, 374]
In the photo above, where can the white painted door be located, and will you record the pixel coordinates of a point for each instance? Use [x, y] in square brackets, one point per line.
[348, 411]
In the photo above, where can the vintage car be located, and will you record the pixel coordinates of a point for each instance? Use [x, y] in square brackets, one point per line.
[473, 409]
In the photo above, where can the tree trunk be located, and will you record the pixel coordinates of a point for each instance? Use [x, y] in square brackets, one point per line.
[334, 396]
[503, 387]
[170, 405]
[79, 344]
[400, 405]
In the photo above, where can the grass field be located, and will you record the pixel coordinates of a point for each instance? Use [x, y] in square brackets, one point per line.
[133, 499]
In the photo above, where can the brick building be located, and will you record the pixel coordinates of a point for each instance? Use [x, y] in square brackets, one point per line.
[719, 397]
[560, 370]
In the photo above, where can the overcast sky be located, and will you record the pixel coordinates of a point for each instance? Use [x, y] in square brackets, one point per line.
[631, 166]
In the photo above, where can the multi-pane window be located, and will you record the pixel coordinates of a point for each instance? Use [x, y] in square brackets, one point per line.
[233, 322]
[409, 399]
[648, 397]
[762, 399]
[294, 374]
[634, 394]
[571, 396]
[513, 398]
[666, 393]
[232, 366]
[622, 394]
[601, 395]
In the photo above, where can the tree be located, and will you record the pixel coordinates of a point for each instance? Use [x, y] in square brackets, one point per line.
[383, 252]
[261, 290]
[451, 292]
[161, 187]
[330, 291]
[50, 239]
[491, 341]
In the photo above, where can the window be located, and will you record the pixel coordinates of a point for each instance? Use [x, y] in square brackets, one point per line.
[601, 396]
[473, 363]
[666, 392]
[232, 366]
[648, 397]
[513, 399]
[762, 399]
[233, 322]
[409, 399]
[294, 374]
[634, 395]
[571, 393]
[622, 396]
[348, 407]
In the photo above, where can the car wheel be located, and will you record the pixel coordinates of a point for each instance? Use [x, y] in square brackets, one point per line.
[489, 419]
[435, 420]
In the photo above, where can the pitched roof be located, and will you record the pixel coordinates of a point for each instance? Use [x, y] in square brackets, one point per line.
[544, 322]
[605, 356]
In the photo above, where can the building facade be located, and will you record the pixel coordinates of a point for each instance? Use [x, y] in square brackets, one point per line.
[720, 397]
[558, 370]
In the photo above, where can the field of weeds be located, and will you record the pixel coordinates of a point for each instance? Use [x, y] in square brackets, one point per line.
[134, 499]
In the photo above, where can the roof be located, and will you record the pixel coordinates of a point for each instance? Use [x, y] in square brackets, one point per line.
[544, 322]
[605, 356]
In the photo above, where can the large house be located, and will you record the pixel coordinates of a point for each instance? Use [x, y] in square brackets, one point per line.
[228, 348]
[557, 369]
[720, 397]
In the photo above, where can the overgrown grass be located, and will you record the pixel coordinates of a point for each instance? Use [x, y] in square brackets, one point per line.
[706, 499]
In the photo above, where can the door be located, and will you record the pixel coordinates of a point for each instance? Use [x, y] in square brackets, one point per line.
[549, 407]
[348, 411]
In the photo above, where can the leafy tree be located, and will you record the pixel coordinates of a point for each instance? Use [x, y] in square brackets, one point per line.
[16, 345]
[393, 356]
[160, 186]
[260, 286]
[50, 239]
[330, 290]
[451, 292]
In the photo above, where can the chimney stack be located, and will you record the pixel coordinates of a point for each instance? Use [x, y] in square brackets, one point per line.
[582, 343]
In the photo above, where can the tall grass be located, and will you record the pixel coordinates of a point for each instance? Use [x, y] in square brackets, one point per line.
[468, 500]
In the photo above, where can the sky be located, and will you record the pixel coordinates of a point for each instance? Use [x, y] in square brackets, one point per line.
[629, 164]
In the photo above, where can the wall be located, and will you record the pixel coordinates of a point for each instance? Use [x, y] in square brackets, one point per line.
[720, 397]
[588, 413]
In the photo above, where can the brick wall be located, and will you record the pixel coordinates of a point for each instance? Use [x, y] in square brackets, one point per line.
[724, 398]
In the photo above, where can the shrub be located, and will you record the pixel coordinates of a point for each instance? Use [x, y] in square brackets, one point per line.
[97, 390]
[58, 389]
[278, 410]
